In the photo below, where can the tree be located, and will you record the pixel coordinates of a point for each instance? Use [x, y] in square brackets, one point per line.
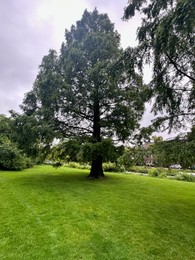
[180, 150]
[167, 40]
[33, 137]
[5, 126]
[86, 91]
[11, 158]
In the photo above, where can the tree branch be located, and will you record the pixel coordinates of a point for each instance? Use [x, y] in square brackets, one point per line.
[178, 69]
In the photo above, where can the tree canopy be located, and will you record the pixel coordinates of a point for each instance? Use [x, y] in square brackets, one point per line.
[167, 41]
[87, 91]
[180, 150]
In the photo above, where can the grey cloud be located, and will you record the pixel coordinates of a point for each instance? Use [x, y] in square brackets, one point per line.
[22, 43]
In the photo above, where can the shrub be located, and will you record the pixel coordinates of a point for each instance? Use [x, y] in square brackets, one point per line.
[57, 164]
[73, 165]
[111, 167]
[162, 170]
[162, 175]
[172, 172]
[179, 177]
[132, 169]
[153, 172]
[139, 169]
[77, 165]
[108, 167]
[84, 166]
[185, 177]
[11, 158]
[142, 170]
[28, 162]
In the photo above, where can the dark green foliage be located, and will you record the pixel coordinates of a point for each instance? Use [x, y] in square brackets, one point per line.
[134, 156]
[65, 151]
[105, 149]
[72, 150]
[179, 150]
[139, 155]
[32, 136]
[57, 165]
[126, 160]
[87, 92]
[10, 157]
[5, 126]
[167, 41]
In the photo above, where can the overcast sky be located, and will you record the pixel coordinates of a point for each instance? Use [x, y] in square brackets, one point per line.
[30, 28]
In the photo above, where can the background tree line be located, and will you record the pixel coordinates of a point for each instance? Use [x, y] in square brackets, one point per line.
[19, 151]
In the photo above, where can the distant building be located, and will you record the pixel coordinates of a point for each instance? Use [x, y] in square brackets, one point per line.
[148, 156]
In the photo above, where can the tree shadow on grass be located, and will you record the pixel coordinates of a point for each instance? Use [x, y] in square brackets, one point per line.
[59, 180]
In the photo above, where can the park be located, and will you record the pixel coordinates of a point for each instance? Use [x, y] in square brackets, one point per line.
[81, 177]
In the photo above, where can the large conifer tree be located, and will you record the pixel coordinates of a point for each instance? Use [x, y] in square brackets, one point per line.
[86, 90]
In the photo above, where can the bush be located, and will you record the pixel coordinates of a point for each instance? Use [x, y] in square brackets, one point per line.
[73, 165]
[57, 164]
[162, 174]
[172, 172]
[77, 165]
[12, 159]
[185, 177]
[153, 172]
[142, 170]
[28, 162]
[139, 169]
[108, 167]
[111, 167]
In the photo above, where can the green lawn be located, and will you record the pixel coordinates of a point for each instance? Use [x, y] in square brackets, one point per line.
[59, 214]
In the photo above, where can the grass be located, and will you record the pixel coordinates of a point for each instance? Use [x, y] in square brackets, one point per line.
[59, 214]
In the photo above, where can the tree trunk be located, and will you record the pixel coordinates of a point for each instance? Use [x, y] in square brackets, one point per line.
[96, 168]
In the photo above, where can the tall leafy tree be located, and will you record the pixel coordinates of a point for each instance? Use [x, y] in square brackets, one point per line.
[86, 91]
[167, 40]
